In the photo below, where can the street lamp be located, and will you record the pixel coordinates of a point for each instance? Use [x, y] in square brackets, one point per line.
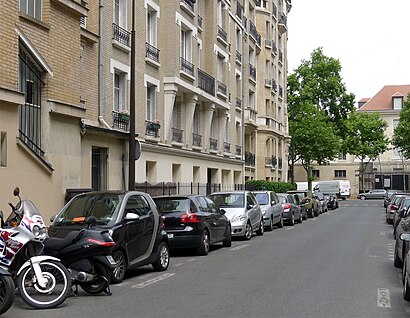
[131, 150]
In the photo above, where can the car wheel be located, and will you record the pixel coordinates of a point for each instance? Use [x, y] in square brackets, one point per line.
[397, 262]
[228, 239]
[305, 216]
[280, 223]
[270, 226]
[203, 248]
[406, 287]
[292, 220]
[248, 232]
[362, 197]
[261, 229]
[162, 262]
[119, 271]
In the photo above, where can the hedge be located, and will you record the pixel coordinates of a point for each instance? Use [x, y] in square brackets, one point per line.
[278, 187]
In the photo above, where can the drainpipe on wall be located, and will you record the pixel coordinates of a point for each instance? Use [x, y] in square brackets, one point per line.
[100, 61]
[243, 105]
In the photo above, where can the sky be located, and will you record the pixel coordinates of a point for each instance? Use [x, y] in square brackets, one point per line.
[370, 38]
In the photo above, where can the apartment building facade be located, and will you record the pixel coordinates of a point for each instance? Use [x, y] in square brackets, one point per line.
[210, 93]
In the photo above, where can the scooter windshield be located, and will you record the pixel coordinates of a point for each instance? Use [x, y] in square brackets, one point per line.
[26, 208]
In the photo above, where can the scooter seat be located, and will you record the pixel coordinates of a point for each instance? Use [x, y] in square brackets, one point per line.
[58, 243]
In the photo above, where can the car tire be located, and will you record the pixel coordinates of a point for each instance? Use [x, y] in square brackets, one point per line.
[270, 226]
[280, 223]
[362, 197]
[300, 218]
[261, 229]
[406, 286]
[228, 240]
[203, 248]
[119, 272]
[292, 220]
[248, 232]
[162, 262]
[397, 261]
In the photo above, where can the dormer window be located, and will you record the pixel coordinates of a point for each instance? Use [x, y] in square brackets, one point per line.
[397, 103]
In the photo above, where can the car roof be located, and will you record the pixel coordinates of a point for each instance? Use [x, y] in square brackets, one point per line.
[177, 196]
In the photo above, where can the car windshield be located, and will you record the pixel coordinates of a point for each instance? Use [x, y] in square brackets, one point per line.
[228, 200]
[262, 198]
[104, 207]
[282, 199]
[168, 205]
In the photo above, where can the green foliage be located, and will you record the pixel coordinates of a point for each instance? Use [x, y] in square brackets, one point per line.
[278, 187]
[401, 136]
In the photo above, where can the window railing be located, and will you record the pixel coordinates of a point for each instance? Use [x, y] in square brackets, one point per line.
[206, 82]
[274, 161]
[274, 47]
[152, 129]
[213, 144]
[238, 150]
[152, 52]
[283, 19]
[121, 35]
[252, 72]
[222, 34]
[268, 82]
[254, 32]
[268, 161]
[196, 140]
[120, 120]
[238, 102]
[274, 85]
[200, 21]
[221, 88]
[268, 43]
[249, 159]
[189, 4]
[238, 56]
[227, 147]
[280, 91]
[177, 134]
[187, 67]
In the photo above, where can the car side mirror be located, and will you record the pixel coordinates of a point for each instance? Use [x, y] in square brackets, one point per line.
[53, 218]
[222, 211]
[131, 216]
[405, 237]
[249, 206]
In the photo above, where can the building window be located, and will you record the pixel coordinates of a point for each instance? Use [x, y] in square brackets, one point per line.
[120, 13]
[397, 103]
[186, 44]
[3, 149]
[99, 168]
[152, 16]
[316, 174]
[342, 156]
[396, 151]
[340, 173]
[120, 91]
[151, 103]
[31, 8]
[30, 84]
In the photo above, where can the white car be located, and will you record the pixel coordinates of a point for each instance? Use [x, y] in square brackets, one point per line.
[271, 207]
[243, 211]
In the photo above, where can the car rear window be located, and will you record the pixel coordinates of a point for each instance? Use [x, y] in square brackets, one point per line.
[228, 200]
[262, 198]
[170, 205]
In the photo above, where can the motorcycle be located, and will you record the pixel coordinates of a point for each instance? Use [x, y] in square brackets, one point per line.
[7, 290]
[87, 255]
[43, 282]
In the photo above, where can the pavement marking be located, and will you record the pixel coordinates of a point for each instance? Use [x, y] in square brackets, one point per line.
[289, 228]
[153, 280]
[383, 298]
[239, 247]
[178, 264]
[190, 260]
[144, 276]
[121, 284]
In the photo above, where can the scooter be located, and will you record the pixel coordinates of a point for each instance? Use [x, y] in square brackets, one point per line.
[87, 255]
[43, 282]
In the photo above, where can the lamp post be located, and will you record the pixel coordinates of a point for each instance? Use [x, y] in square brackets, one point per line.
[131, 160]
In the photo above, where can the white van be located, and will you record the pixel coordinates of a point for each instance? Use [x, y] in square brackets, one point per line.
[344, 189]
[302, 186]
[339, 187]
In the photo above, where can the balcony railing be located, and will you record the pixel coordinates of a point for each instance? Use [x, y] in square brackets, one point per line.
[152, 129]
[280, 91]
[177, 134]
[221, 88]
[274, 48]
[280, 163]
[121, 35]
[268, 43]
[187, 67]
[274, 10]
[200, 21]
[251, 114]
[120, 120]
[239, 10]
[249, 159]
[282, 22]
[274, 161]
[227, 147]
[274, 85]
[238, 102]
[238, 150]
[238, 56]
[268, 161]
[152, 52]
[189, 4]
[196, 140]
[206, 82]
[213, 144]
[222, 34]
[252, 72]
[268, 82]
[254, 32]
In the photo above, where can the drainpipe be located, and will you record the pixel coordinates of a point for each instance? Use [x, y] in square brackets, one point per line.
[100, 60]
[243, 105]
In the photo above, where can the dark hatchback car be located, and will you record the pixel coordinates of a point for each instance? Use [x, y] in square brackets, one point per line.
[193, 221]
[133, 221]
[291, 210]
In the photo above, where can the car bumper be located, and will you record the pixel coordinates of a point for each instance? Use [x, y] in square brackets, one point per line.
[287, 216]
[238, 230]
[183, 240]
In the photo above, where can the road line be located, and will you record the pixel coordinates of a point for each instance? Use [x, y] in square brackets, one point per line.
[190, 260]
[383, 298]
[145, 276]
[179, 264]
[153, 280]
[289, 228]
[121, 284]
[239, 247]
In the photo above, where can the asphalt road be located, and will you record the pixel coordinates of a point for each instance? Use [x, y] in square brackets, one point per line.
[339, 264]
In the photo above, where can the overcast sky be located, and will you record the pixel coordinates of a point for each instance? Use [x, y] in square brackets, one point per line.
[370, 38]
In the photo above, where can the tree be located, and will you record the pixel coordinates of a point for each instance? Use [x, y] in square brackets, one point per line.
[365, 139]
[318, 106]
[401, 136]
[314, 138]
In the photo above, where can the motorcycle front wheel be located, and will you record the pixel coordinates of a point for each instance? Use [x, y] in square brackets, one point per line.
[7, 290]
[53, 294]
[100, 284]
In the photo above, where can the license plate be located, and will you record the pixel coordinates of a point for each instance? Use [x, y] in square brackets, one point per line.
[170, 236]
[111, 260]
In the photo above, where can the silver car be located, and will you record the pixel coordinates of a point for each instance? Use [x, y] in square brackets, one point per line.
[243, 211]
[272, 209]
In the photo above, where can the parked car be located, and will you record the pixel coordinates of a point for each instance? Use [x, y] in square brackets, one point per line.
[272, 209]
[332, 201]
[133, 221]
[242, 210]
[291, 210]
[388, 196]
[401, 248]
[193, 221]
[403, 205]
[393, 207]
[405, 237]
[311, 203]
[322, 201]
[372, 194]
[299, 201]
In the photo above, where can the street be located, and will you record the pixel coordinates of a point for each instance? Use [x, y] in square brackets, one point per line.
[339, 264]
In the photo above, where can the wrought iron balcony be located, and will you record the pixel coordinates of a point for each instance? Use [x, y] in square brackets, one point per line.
[238, 150]
[254, 32]
[152, 129]
[252, 72]
[282, 22]
[121, 35]
[213, 144]
[268, 82]
[222, 34]
[249, 159]
[152, 52]
[274, 85]
[238, 56]
[206, 82]
[227, 147]
[187, 67]
[221, 88]
[196, 140]
[274, 48]
[120, 120]
[177, 134]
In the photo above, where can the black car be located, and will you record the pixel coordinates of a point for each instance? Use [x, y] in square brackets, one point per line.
[291, 210]
[332, 201]
[133, 221]
[193, 221]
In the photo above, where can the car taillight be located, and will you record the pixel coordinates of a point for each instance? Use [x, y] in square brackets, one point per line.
[162, 222]
[99, 242]
[286, 206]
[393, 208]
[189, 217]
